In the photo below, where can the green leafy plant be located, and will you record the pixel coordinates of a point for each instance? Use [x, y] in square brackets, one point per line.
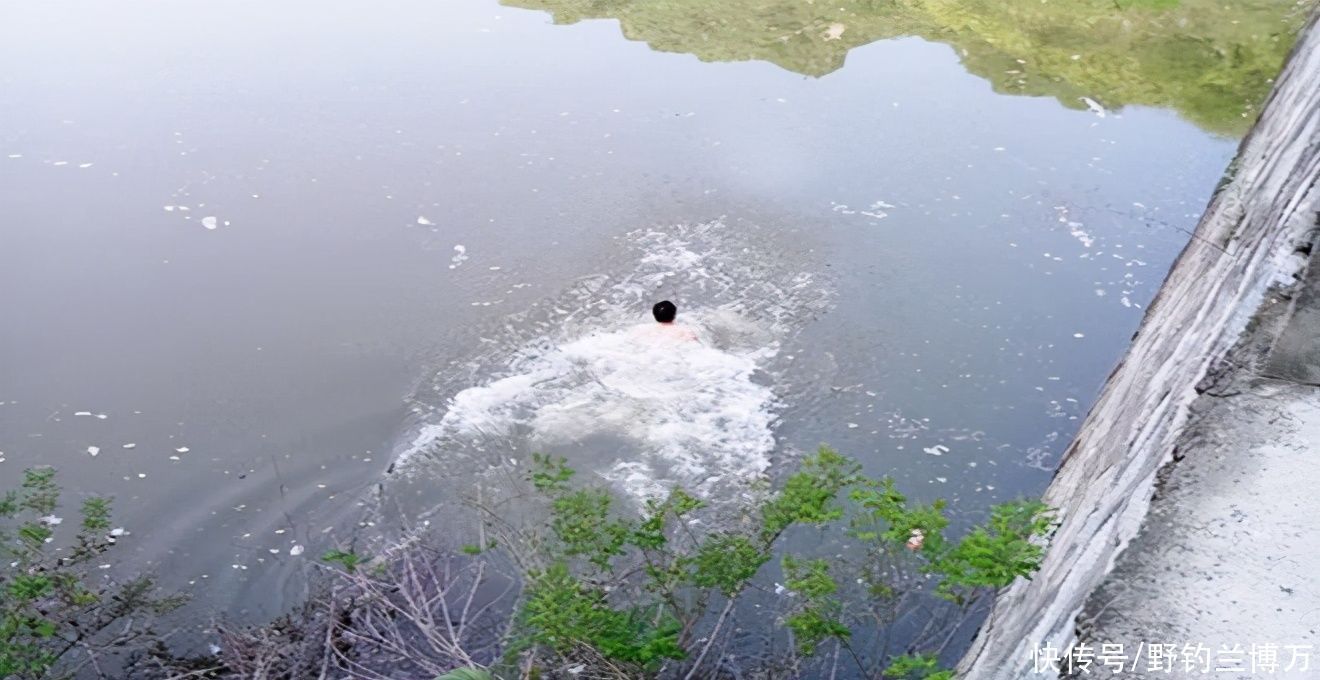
[633, 590]
[727, 561]
[919, 667]
[810, 496]
[347, 559]
[604, 589]
[562, 613]
[466, 674]
[987, 557]
[49, 606]
[992, 555]
[637, 592]
[819, 616]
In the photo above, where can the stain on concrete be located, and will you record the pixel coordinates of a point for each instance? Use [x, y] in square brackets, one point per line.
[1296, 353]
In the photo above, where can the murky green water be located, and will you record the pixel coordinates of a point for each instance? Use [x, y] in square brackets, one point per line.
[270, 244]
[1211, 61]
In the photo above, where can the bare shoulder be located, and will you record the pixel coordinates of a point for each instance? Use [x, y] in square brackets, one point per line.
[685, 333]
[667, 332]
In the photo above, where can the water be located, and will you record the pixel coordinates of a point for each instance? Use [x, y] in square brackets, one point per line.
[646, 407]
[283, 248]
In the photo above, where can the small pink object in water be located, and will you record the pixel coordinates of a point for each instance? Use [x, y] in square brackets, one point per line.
[917, 538]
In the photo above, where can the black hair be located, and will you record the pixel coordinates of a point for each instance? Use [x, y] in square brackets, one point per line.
[664, 311]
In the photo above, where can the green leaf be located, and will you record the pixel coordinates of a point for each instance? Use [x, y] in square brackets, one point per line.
[466, 674]
[564, 613]
[809, 496]
[34, 534]
[992, 555]
[347, 559]
[550, 475]
[809, 579]
[581, 520]
[39, 492]
[919, 667]
[96, 514]
[29, 587]
[43, 628]
[811, 627]
[819, 615]
[889, 518]
[727, 562]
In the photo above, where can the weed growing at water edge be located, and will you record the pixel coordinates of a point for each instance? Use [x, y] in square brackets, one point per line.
[49, 604]
[629, 596]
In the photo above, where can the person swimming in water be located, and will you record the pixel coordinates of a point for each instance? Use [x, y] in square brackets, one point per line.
[664, 313]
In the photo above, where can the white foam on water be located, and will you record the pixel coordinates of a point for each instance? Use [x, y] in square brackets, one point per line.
[690, 413]
[631, 401]
[1075, 229]
[460, 256]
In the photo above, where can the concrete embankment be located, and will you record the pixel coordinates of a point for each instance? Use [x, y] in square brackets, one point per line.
[1253, 239]
[1222, 577]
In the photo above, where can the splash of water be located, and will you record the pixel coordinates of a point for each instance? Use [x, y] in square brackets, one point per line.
[644, 409]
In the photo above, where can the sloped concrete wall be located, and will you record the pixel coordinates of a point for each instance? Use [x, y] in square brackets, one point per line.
[1251, 236]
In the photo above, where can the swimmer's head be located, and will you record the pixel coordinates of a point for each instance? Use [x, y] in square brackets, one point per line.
[664, 311]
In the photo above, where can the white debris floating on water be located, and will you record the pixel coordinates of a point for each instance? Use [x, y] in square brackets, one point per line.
[877, 210]
[1074, 228]
[421, 219]
[1094, 106]
[93, 450]
[210, 222]
[936, 450]
[460, 256]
